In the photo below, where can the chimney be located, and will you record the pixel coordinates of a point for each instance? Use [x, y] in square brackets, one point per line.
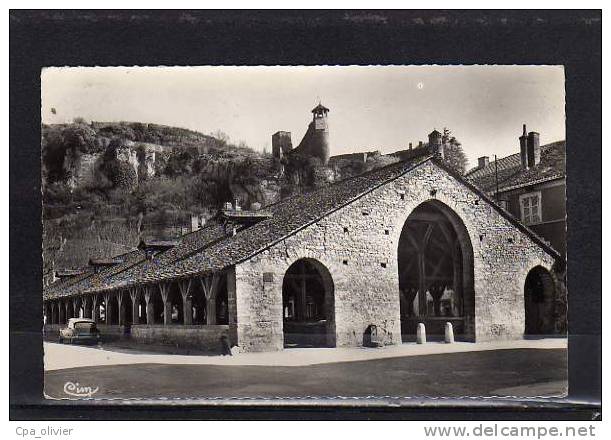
[482, 162]
[419, 143]
[523, 147]
[410, 145]
[436, 144]
[198, 221]
[534, 151]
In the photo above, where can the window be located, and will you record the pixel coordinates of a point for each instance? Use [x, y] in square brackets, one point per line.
[530, 208]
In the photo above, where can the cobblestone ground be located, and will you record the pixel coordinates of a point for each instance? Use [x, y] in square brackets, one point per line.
[514, 372]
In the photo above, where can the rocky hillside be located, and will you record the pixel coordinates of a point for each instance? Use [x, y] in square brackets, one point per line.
[107, 185]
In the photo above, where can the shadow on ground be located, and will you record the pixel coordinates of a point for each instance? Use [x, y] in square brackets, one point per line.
[519, 372]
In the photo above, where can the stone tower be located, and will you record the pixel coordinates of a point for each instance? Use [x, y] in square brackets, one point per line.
[315, 142]
[281, 144]
[436, 143]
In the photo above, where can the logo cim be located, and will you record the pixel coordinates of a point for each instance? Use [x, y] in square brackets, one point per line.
[77, 390]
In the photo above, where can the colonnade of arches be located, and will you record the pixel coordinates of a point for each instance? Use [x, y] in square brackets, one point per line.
[194, 301]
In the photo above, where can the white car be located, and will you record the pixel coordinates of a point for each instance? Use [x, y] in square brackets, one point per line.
[79, 330]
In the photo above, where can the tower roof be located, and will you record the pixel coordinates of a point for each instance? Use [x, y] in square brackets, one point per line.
[320, 108]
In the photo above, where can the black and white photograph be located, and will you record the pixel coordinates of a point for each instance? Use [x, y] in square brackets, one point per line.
[314, 215]
[220, 232]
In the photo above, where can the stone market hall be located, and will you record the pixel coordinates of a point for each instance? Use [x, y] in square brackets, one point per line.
[409, 243]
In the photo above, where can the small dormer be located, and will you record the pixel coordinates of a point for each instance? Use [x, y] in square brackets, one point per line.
[67, 273]
[154, 247]
[235, 216]
[99, 264]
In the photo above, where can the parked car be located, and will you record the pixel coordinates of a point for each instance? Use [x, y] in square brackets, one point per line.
[79, 330]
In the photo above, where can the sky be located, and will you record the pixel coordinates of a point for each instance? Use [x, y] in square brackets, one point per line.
[371, 107]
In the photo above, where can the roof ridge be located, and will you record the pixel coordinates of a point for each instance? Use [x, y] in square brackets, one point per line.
[546, 147]
[529, 232]
[351, 200]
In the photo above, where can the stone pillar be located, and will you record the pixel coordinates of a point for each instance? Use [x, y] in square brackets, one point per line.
[210, 287]
[449, 333]
[232, 306]
[457, 308]
[67, 314]
[134, 295]
[76, 307]
[107, 308]
[150, 309]
[86, 307]
[61, 312]
[51, 319]
[421, 334]
[187, 304]
[121, 305]
[164, 289]
[95, 308]
[301, 311]
[421, 285]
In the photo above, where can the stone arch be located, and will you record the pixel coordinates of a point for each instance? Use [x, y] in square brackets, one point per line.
[539, 296]
[308, 304]
[436, 272]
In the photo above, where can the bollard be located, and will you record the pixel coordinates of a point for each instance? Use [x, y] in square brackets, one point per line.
[421, 334]
[449, 333]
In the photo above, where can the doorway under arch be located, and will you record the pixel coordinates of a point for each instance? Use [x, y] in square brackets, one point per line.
[435, 264]
[538, 302]
[308, 305]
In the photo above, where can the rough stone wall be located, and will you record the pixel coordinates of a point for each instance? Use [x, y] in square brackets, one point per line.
[82, 168]
[129, 156]
[202, 337]
[368, 293]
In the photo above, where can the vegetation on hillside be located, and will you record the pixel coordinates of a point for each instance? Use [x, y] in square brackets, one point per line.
[193, 173]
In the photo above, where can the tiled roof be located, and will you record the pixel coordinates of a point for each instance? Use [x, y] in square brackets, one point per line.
[212, 249]
[135, 263]
[512, 175]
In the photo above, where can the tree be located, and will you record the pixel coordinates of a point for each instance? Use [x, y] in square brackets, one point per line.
[453, 152]
[221, 137]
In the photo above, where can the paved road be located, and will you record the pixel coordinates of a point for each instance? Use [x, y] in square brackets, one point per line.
[519, 372]
[60, 356]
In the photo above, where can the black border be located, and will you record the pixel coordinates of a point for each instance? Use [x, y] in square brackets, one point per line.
[571, 38]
